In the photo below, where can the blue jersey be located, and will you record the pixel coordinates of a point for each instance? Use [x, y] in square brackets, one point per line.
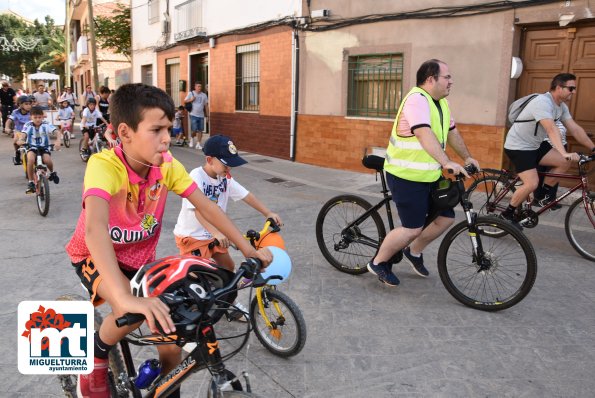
[38, 137]
[19, 119]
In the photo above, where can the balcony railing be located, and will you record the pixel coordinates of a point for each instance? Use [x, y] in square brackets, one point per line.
[189, 20]
[82, 53]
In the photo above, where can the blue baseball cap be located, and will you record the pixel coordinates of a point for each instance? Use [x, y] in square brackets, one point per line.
[222, 148]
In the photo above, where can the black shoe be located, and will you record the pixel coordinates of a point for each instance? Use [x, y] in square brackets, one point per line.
[54, 177]
[30, 187]
[384, 273]
[544, 202]
[510, 219]
[16, 160]
[417, 263]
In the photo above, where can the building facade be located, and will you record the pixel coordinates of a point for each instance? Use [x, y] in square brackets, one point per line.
[243, 60]
[321, 81]
[353, 76]
[113, 69]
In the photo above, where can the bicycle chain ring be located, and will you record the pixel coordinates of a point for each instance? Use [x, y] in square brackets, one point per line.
[528, 218]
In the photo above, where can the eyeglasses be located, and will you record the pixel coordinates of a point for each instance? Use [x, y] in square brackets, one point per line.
[447, 77]
[570, 88]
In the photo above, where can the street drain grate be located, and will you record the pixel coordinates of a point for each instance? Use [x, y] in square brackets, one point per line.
[261, 161]
[275, 180]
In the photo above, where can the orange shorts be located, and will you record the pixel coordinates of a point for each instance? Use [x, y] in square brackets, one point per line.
[200, 248]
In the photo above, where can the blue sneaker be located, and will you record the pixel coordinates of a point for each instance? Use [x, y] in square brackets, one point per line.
[417, 263]
[384, 273]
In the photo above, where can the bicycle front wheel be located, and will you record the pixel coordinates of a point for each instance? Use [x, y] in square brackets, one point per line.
[483, 194]
[499, 280]
[116, 373]
[84, 154]
[348, 249]
[66, 139]
[286, 335]
[43, 195]
[579, 229]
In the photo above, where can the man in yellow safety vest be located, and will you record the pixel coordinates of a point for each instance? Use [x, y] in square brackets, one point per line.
[414, 159]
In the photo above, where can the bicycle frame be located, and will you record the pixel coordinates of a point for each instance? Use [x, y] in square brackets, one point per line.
[205, 355]
[582, 184]
[389, 213]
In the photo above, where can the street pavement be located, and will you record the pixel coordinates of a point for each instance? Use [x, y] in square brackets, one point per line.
[364, 339]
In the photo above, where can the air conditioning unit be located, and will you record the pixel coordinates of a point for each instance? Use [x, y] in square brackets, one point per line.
[321, 13]
[164, 26]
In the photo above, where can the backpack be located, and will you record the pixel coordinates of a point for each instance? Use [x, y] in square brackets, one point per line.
[515, 109]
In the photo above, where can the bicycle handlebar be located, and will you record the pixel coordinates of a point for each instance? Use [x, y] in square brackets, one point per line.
[249, 268]
[253, 235]
[469, 168]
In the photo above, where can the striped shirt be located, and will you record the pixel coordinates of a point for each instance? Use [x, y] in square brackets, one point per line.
[38, 136]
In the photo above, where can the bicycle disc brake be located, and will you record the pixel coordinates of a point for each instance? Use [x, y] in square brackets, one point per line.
[528, 218]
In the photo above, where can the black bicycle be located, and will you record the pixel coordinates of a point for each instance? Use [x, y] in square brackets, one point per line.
[197, 302]
[482, 271]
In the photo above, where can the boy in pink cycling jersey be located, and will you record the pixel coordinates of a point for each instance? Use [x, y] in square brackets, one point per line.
[124, 196]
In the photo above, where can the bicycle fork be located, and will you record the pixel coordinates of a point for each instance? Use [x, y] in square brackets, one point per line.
[272, 326]
[478, 253]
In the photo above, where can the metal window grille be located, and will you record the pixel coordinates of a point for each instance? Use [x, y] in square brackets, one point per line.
[153, 11]
[248, 77]
[375, 85]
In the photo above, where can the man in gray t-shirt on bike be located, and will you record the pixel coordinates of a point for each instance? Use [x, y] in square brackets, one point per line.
[526, 147]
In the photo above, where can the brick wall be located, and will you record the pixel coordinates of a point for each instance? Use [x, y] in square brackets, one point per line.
[267, 135]
[337, 142]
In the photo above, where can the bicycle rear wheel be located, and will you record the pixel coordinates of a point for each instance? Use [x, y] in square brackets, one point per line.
[348, 249]
[116, 370]
[506, 273]
[578, 227]
[42, 194]
[287, 334]
[484, 192]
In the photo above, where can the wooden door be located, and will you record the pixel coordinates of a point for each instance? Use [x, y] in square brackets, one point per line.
[549, 51]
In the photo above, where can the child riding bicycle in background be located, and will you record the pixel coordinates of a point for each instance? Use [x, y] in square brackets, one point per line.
[65, 119]
[192, 232]
[38, 139]
[124, 196]
[15, 123]
[89, 121]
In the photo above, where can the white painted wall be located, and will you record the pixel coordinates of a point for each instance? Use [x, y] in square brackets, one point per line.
[145, 36]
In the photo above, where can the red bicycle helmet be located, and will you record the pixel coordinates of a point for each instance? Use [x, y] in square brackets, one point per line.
[185, 277]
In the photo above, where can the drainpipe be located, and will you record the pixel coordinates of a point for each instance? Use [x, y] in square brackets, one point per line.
[67, 49]
[295, 81]
[93, 45]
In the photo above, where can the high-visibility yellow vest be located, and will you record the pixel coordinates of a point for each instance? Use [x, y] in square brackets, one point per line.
[405, 157]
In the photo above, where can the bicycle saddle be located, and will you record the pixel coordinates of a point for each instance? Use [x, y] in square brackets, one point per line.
[373, 162]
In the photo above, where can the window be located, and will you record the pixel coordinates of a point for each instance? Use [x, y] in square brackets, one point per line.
[248, 77]
[172, 77]
[146, 74]
[153, 11]
[375, 85]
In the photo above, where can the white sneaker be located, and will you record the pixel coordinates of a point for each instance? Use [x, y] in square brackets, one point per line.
[198, 146]
[238, 312]
[191, 142]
